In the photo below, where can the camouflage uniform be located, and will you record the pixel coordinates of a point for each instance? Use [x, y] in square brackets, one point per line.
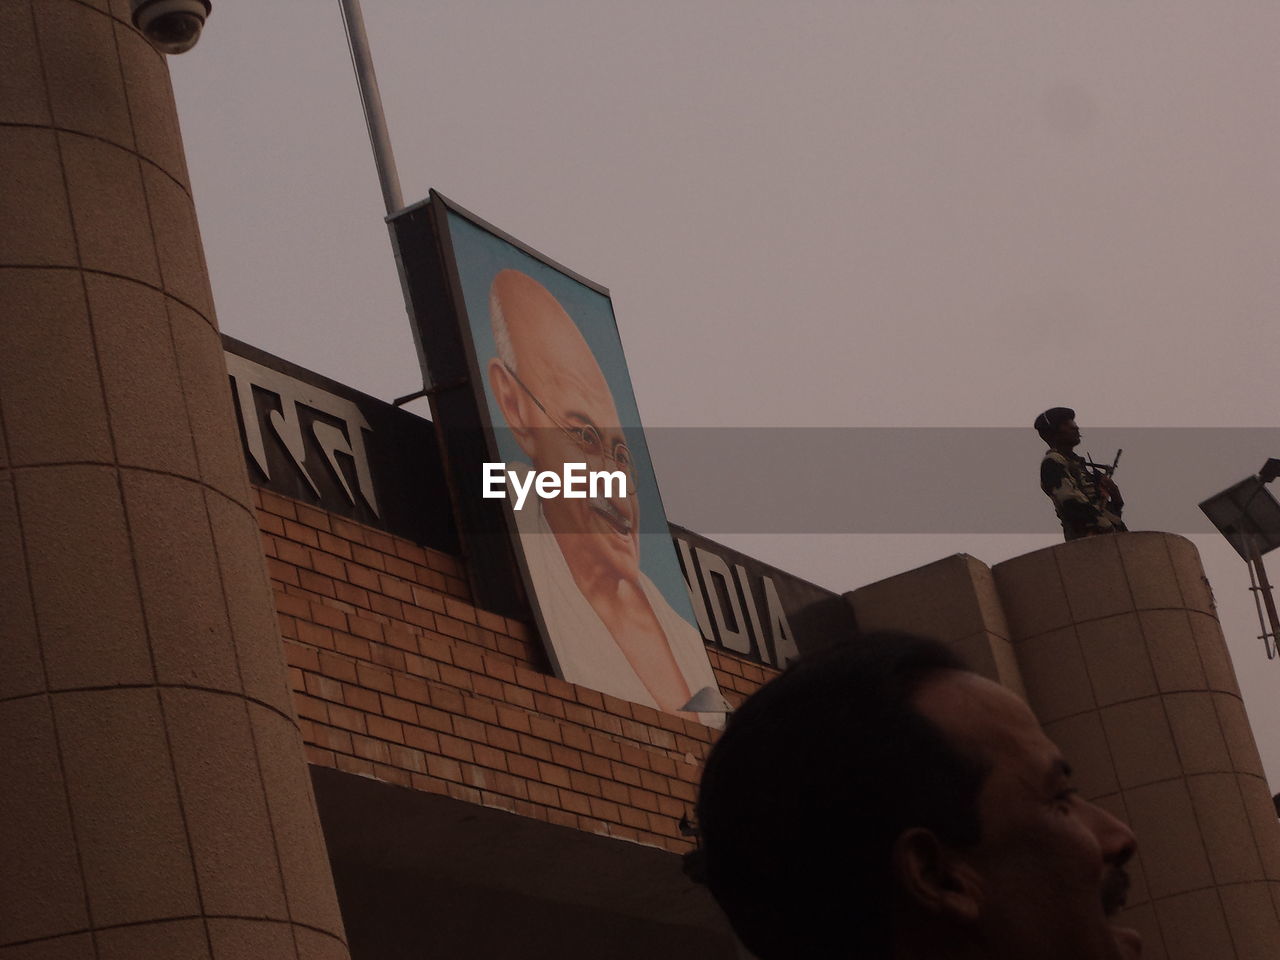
[1079, 503]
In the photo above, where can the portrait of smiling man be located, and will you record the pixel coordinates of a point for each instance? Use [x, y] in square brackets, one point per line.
[610, 628]
[879, 800]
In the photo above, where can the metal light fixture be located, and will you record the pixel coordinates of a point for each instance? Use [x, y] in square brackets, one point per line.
[1249, 517]
[172, 26]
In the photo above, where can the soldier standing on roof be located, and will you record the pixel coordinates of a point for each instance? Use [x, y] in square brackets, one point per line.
[1087, 500]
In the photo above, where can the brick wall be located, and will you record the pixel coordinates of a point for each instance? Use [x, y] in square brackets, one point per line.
[396, 675]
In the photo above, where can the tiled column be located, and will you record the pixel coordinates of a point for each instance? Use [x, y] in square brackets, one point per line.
[154, 800]
[1125, 664]
[953, 599]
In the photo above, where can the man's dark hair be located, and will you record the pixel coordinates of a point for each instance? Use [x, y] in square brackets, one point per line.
[1048, 422]
[814, 778]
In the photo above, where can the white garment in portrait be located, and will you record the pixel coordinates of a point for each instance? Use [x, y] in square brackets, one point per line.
[584, 650]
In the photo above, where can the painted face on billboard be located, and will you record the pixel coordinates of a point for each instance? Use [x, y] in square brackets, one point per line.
[558, 406]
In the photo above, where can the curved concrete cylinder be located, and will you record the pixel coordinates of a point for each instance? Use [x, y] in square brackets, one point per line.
[154, 801]
[1123, 661]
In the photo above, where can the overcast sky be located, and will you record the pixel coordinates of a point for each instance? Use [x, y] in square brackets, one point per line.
[845, 214]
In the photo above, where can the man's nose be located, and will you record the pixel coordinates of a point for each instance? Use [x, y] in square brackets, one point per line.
[1114, 836]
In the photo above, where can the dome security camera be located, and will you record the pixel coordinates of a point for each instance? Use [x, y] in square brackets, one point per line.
[172, 26]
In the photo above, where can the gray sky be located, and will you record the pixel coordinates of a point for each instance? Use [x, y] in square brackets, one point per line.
[900, 213]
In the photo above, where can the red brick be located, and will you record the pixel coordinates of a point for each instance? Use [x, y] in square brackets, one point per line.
[316, 583]
[635, 731]
[603, 809]
[550, 773]
[566, 757]
[531, 680]
[518, 696]
[368, 558]
[424, 619]
[329, 565]
[400, 709]
[545, 794]
[444, 768]
[428, 599]
[635, 818]
[386, 606]
[607, 723]
[532, 747]
[489, 757]
[310, 707]
[323, 687]
[362, 576]
[616, 792]
[318, 757]
[466, 794]
[605, 747]
[584, 783]
[468, 729]
[486, 686]
[292, 605]
[419, 666]
[453, 747]
[523, 766]
[457, 587]
[358, 698]
[331, 544]
[502, 739]
[579, 714]
[443, 563]
[499, 667]
[597, 766]
[385, 729]
[412, 688]
[391, 774]
[454, 677]
[396, 588]
[425, 740]
[450, 627]
[377, 678]
[410, 551]
[628, 775]
[427, 784]
[481, 710]
[331, 738]
[575, 802]
[379, 541]
[295, 553]
[361, 768]
[446, 699]
[347, 530]
[651, 781]
[663, 739]
[270, 523]
[401, 637]
[399, 568]
[644, 800]
[544, 728]
[436, 647]
[387, 656]
[340, 668]
[548, 705]
[306, 658]
[346, 718]
[362, 627]
[283, 572]
[314, 634]
[468, 658]
[327, 616]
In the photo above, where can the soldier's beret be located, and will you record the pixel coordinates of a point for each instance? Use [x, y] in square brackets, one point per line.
[1048, 421]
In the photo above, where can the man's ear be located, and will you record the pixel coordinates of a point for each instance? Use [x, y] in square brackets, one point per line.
[936, 877]
[512, 402]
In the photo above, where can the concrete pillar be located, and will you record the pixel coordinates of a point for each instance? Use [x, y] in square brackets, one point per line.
[154, 799]
[1124, 663]
[953, 599]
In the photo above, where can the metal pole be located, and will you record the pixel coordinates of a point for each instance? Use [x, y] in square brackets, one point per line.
[374, 118]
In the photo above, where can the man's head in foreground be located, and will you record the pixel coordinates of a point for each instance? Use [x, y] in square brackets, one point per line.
[879, 800]
[560, 410]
